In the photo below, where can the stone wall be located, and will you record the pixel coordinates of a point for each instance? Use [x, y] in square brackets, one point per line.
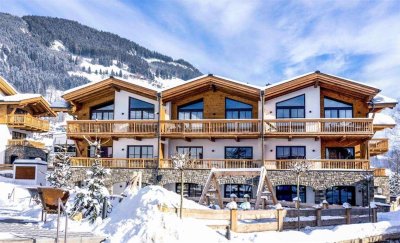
[24, 152]
[382, 187]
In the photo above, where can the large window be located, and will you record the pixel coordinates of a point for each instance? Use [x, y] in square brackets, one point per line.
[18, 135]
[140, 110]
[191, 111]
[238, 189]
[289, 192]
[340, 153]
[105, 152]
[194, 152]
[189, 189]
[341, 194]
[291, 108]
[102, 112]
[337, 109]
[290, 152]
[238, 153]
[237, 110]
[140, 152]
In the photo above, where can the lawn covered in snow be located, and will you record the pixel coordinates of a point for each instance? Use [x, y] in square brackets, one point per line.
[138, 219]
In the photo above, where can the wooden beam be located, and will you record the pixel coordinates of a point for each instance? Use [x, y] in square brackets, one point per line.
[212, 139]
[187, 139]
[237, 139]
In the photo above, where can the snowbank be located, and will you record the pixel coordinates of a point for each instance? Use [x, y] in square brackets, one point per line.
[137, 219]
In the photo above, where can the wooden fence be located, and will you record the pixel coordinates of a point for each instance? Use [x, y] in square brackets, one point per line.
[249, 221]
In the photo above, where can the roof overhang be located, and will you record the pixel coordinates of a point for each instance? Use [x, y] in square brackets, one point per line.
[210, 82]
[104, 88]
[39, 106]
[6, 87]
[322, 80]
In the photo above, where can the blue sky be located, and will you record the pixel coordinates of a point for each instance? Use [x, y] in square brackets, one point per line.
[253, 41]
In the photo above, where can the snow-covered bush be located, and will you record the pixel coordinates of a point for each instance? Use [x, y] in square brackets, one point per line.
[394, 184]
[61, 175]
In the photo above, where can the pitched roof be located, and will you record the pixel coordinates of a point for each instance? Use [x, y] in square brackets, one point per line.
[6, 87]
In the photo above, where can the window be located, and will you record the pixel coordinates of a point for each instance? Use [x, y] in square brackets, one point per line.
[291, 108]
[191, 111]
[18, 135]
[194, 152]
[102, 112]
[238, 189]
[337, 109]
[189, 189]
[340, 153]
[60, 148]
[105, 152]
[290, 152]
[140, 110]
[341, 194]
[289, 192]
[140, 152]
[237, 110]
[238, 153]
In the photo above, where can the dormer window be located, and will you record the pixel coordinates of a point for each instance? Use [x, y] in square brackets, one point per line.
[191, 111]
[337, 109]
[140, 110]
[102, 112]
[237, 110]
[291, 108]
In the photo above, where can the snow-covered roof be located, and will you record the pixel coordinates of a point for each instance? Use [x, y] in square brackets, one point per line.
[382, 119]
[381, 99]
[139, 82]
[9, 86]
[60, 104]
[30, 161]
[19, 97]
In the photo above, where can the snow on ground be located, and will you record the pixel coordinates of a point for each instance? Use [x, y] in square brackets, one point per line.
[57, 45]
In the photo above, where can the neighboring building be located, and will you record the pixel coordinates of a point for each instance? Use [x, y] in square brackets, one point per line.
[20, 118]
[224, 123]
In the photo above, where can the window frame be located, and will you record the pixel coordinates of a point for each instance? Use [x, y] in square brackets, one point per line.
[303, 192]
[141, 151]
[191, 187]
[190, 147]
[149, 110]
[93, 108]
[353, 148]
[237, 192]
[290, 108]
[246, 147]
[339, 190]
[276, 151]
[337, 109]
[238, 109]
[90, 150]
[191, 110]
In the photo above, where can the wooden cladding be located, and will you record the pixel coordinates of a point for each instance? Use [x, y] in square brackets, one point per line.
[380, 172]
[26, 143]
[25, 172]
[378, 146]
[324, 164]
[222, 128]
[25, 122]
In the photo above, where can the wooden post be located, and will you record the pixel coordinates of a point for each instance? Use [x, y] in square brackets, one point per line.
[279, 219]
[318, 217]
[325, 205]
[348, 215]
[374, 215]
[233, 220]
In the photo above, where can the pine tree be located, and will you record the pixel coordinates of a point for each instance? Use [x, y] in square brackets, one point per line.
[89, 70]
[120, 73]
[394, 184]
[89, 200]
[61, 176]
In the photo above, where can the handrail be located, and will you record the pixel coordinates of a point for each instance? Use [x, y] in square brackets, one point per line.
[379, 172]
[25, 121]
[319, 164]
[216, 163]
[59, 207]
[26, 142]
[377, 145]
[115, 162]
[112, 127]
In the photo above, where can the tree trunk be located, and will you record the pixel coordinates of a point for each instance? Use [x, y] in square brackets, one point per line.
[181, 208]
[298, 201]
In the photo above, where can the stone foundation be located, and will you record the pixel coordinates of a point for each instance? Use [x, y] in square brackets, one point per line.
[381, 185]
[24, 152]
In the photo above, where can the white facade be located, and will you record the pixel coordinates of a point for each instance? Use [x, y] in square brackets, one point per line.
[313, 148]
[121, 104]
[312, 103]
[120, 146]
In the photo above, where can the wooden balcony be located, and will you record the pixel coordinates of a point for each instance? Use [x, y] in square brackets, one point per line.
[212, 128]
[25, 142]
[25, 122]
[206, 164]
[116, 163]
[112, 128]
[380, 172]
[323, 127]
[378, 146]
[322, 164]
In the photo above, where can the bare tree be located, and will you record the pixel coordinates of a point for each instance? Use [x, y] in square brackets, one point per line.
[299, 168]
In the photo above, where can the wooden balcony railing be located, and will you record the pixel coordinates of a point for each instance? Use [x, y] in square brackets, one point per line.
[126, 128]
[25, 142]
[211, 127]
[322, 164]
[25, 122]
[116, 163]
[323, 126]
[380, 172]
[378, 146]
[216, 163]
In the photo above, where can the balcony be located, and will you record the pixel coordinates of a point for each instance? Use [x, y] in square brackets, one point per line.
[378, 146]
[26, 143]
[213, 128]
[112, 128]
[380, 172]
[206, 164]
[323, 127]
[25, 122]
[116, 163]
